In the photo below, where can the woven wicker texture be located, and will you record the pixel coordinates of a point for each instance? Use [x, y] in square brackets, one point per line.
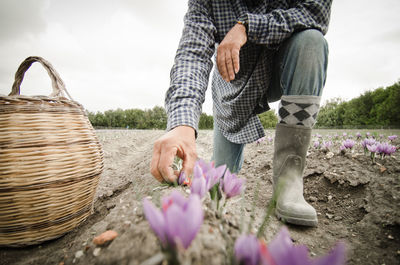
[50, 163]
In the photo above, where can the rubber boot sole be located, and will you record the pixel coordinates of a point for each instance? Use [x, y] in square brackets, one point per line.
[304, 221]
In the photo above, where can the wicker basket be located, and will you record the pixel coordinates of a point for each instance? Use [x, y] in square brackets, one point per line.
[50, 163]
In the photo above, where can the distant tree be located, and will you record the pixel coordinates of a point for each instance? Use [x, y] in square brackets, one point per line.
[268, 119]
[206, 122]
[380, 107]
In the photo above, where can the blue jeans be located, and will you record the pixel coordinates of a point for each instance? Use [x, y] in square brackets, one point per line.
[299, 68]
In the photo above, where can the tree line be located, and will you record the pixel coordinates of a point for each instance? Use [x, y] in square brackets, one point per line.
[377, 108]
[156, 118]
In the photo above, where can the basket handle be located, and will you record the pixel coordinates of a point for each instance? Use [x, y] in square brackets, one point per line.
[56, 81]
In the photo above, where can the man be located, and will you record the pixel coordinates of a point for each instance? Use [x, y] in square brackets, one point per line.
[266, 51]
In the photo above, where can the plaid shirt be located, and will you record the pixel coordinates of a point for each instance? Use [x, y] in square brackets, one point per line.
[236, 103]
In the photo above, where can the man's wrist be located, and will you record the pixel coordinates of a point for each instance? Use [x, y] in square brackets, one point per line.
[245, 22]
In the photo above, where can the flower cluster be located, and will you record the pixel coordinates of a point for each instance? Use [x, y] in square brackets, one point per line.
[370, 143]
[205, 176]
[179, 220]
[375, 147]
[348, 143]
[281, 251]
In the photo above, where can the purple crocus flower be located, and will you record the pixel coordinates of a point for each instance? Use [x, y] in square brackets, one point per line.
[232, 185]
[348, 143]
[182, 178]
[179, 220]
[392, 137]
[211, 174]
[199, 184]
[386, 149]
[270, 139]
[368, 141]
[327, 145]
[358, 135]
[259, 141]
[372, 148]
[316, 144]
[281, 251]
[344, 135]
[368, 134]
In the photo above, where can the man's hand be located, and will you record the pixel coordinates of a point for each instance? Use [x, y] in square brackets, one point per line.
[180, 142]
[228, 52]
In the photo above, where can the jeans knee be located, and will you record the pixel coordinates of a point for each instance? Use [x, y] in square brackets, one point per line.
[304, 63]
[310, 42]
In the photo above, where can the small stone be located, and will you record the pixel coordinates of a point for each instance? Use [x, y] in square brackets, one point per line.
[78, 254]
[105, 237]
[330, 197]
[312, 254]
[326, 222]
[329, 155]
[338, 218]
[329, 216]
[96, 252]
[312, 199]
[110, 205]
[383, 169]
[109, 193]
[346, 196]
[390, 237]
[127, 223]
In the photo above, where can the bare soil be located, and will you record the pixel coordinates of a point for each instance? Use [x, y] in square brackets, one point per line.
[357, 202]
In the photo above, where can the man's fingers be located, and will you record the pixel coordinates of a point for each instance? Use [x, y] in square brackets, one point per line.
[235, 59]
[154, 163]
[188, 163]
[222, 64]
[229, 66]
[165, 164]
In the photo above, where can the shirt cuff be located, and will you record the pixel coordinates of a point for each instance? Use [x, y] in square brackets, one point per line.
[183, 116]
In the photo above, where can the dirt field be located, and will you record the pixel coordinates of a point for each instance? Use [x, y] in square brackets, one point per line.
[357, 202]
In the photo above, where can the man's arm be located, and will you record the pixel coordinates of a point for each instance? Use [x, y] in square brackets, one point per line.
[270, 30]
[273, 28]
[184, 98]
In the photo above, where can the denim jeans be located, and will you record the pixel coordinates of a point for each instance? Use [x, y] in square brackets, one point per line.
[299, 68]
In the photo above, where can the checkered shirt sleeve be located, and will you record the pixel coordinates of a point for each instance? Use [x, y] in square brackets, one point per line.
[277, 25]
[192, 67]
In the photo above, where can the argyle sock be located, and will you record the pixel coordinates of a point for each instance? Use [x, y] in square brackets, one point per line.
[299, 110]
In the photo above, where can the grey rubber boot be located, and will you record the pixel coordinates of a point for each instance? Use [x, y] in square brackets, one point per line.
[291, 145]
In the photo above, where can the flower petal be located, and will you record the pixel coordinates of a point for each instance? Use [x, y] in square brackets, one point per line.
[174, 197]
[197, 172]
[336, 257]
[284, 252]
[247, 250]
[183, 225]
[155, 219]
[198, 187]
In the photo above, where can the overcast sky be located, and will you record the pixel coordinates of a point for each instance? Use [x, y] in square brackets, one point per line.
[118, 54]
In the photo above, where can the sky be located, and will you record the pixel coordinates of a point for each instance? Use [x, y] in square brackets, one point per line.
[118, 54]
